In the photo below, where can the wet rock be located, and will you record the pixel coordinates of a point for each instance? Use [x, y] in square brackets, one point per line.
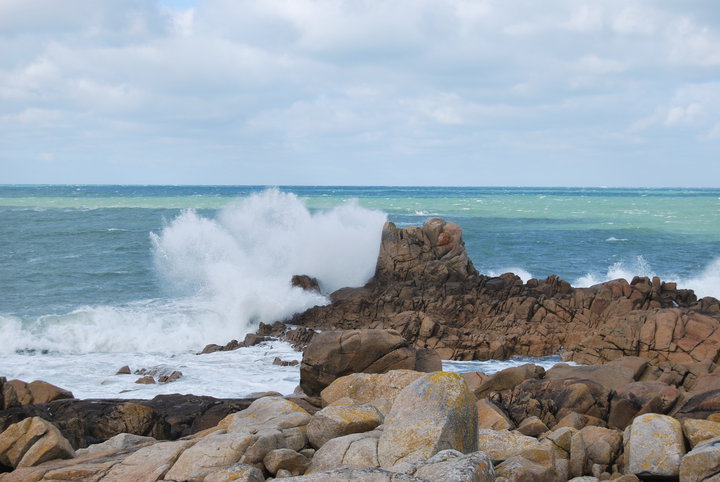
[285, 363]
[125, 370]
[146, 380]
[306, 283]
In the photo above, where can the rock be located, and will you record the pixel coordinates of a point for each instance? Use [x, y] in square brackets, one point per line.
[149, 463]
[474, 380]
[700, 404]
[508, 379]
[534, 464]
[236, 473]
[363, 474]
[353, 451]
[171, 377]
[491, 416]
[119, 441]
[611, 377]
[593, 445]
[362, 388]
[638, 398]
[124, 371]
[286, 459]
[146, 380]
[503, 444]
[269, 413]
[453, 466]
[333, 354]
[654, 446]
[435, 412]
[32, 442]
[17, 392]
[284, 363]
[332, 422]
[702, 462]
[532, 426]
[306, 283]
[210, 454]
[427, 361]
[697, 431]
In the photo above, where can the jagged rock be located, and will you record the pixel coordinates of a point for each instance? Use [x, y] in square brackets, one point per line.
[334, 354]
[492, 416]
[305, 282]
[351, 451]
[171, 377]
[332, 422]
[119, 441]
[503, 444]
[236, 473]
[453, 466]
[269, 413]
[702, 462]
[286, 459]
[698, 431]
[435, 412]
[361, 388]
[17, 392]
[125, 370]
[32, 442]
[654, 446]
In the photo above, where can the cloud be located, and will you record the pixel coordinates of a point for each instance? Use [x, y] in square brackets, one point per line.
[258, 88]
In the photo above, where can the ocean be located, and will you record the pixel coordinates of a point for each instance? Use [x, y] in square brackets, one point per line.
[96, 277]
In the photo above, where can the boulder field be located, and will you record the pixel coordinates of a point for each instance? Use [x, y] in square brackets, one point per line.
[586, 423]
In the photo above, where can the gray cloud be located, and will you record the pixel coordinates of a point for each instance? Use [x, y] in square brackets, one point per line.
[347, 92]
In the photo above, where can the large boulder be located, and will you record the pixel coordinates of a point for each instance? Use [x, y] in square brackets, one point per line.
[18, 392]
[332, 422]
[654, 446]
[350, 451]
[503, 444]
[702, 462]
[436, 412]
[269, 413]
[334, 354]
[375, 389]
[508, 379]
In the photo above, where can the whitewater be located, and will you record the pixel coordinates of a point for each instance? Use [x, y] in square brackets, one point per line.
[97, 277]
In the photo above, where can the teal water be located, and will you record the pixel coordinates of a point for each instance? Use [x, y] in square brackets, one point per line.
[98, 275]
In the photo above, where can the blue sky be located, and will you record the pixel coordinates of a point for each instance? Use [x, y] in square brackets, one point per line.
[408, 92]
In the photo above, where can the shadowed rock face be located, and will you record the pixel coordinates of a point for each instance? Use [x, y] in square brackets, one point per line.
[426, 288]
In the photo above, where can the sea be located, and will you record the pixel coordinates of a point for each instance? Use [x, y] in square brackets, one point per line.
[93, 278]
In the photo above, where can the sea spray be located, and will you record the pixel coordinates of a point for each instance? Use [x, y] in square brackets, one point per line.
[222, 276]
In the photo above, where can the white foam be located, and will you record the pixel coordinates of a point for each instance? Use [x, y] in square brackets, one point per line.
[223, 276]
[705, 283]
[523, 274]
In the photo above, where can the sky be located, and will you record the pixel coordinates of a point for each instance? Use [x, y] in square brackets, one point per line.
[359, 92]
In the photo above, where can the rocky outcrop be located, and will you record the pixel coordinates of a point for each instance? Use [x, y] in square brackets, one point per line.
[427, 289]
[334, 354]
[15, 393]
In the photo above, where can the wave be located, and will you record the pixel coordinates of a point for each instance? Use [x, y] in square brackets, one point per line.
[223, 275]
[523, 274]
[705, 283]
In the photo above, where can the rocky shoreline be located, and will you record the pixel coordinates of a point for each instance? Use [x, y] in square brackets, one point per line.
[374, 405]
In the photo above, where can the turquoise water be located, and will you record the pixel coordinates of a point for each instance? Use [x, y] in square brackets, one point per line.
[94, 277]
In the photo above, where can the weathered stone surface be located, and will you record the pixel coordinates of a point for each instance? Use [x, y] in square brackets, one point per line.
[492, 416]
[148, 464]
[503, 444]
[435, 412]
[333, 354]
[509, 378]
[353, 451]
[236, 473]
[532, 426]
[286, 459]
[368, 388]
[697, 431]
[608, 376]
[701, 463]
[453, 466]
[210, 454]
[269, 413]
[654, 446]
[593, 445]
[31, 442]
[536, 464]
[332, 422]
[364, 474]
[119, 441]
[638, 398]
[18, 392]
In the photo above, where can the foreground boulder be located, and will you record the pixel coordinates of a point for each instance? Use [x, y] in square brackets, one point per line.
[654, 446]
[32, 442]
[334, 354]
[435, 412]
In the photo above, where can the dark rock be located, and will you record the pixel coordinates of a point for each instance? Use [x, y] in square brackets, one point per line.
[17, 392]
[305, 282]
[285, 363]
[146, 380]
[123, 371]
[174, 375]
